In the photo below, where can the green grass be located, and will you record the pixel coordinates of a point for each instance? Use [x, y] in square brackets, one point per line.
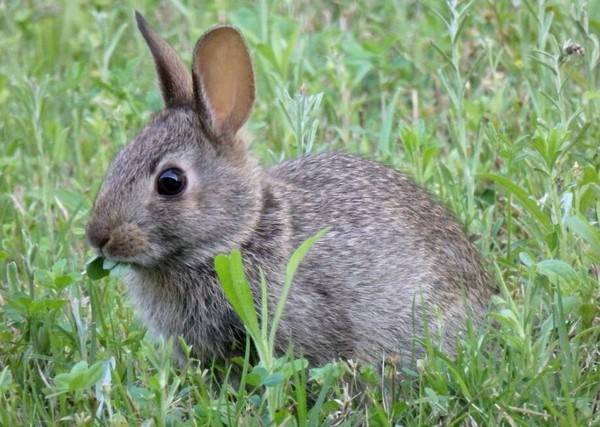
[484, 103]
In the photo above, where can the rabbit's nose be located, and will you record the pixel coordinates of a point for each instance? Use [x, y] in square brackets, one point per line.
[98, 235]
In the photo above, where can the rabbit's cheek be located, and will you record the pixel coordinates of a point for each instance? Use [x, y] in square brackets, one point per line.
[126, 241]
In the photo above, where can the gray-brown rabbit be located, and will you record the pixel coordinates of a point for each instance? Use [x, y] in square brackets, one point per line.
[393, 264]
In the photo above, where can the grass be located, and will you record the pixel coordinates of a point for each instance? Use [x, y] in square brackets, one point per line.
[491, 105]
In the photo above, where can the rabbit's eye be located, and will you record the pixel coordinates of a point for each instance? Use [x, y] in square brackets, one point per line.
[170, 182]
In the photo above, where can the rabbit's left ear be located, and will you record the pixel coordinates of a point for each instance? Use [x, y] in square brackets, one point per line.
[175, 80]
[223, 80]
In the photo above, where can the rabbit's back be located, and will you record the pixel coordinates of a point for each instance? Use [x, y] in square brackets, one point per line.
[392, 260]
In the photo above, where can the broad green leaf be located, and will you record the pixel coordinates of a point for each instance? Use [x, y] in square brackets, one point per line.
[100, 267]
[139, 394]
[526, 259]
[28, 307]
[330, 371]
[6, 379]
[553, 267]
[43, 306]
[273, 379]
[256, 376]
[95, 269]
[61, 282]
[230, 271]
[282, 416]
[80, 377]
[290, 367]
[243, 291]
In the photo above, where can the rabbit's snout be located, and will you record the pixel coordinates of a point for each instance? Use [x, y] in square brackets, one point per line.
[98, 234]
[124, 241]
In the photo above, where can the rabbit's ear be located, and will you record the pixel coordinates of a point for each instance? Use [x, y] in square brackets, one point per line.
[175, 79]
[223, 80]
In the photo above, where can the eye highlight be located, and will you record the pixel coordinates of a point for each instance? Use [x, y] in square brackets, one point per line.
[170, 182]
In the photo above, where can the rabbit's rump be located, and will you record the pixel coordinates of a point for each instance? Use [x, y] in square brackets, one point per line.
[392, 261]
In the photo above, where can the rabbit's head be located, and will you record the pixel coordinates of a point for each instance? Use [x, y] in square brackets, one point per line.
[185, 187]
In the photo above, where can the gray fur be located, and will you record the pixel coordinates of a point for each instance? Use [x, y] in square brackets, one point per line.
[393, 264]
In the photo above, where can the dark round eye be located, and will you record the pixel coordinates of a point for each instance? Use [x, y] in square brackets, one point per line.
[170, 182]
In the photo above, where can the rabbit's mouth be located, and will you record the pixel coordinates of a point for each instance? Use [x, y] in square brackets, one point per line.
[124, 244]
[140, 261]
[115, 254]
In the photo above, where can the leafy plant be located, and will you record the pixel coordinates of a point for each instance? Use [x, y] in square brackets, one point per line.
[270, 372]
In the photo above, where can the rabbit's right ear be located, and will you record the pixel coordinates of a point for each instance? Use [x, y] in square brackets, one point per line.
[175, 79]
[223, 80]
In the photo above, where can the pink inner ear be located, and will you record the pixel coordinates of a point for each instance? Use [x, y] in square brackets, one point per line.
[224, 88]
[223, 66]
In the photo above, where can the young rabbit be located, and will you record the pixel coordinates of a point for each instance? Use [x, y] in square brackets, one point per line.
[394, 266]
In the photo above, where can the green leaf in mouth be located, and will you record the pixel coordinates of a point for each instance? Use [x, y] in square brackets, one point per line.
[100, 267]
[95, 269]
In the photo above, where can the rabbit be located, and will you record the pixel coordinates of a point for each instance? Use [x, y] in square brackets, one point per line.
[394, 266]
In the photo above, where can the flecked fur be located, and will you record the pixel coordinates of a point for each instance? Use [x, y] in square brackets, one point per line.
[394, 264]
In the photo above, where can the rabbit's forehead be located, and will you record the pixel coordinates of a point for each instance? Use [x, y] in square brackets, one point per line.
[171, 136]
